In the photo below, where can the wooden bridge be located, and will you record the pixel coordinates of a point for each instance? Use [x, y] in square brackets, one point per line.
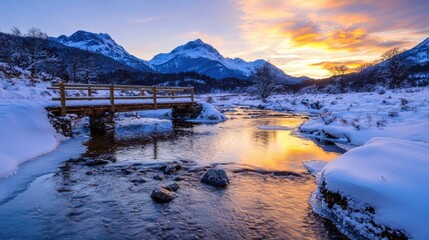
[98, 99]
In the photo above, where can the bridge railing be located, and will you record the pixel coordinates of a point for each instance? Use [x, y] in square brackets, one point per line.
[138, 93]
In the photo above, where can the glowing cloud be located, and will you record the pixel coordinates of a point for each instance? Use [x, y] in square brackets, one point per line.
[308, 33]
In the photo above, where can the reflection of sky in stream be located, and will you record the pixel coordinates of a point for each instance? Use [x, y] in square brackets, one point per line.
[106, 205]
[236, 141]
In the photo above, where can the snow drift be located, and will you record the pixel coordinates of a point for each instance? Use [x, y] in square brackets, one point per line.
[209, 114]
[382, 185]
[25, 134]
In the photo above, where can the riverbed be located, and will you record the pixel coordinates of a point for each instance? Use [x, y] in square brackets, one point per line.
[260, 150]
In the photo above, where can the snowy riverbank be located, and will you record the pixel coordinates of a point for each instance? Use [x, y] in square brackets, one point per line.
[25, 129]
[352, 118]
[378, 189]
[25, 134]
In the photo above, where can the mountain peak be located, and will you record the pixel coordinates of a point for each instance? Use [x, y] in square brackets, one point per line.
[198, 41]
[103, 44]
[197, 45]
[84, 36]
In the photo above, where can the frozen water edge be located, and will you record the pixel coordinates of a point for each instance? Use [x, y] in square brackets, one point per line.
[286, 128]
[12, 186]
[315, 166]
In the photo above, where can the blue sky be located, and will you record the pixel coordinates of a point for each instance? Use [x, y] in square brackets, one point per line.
[300, 37]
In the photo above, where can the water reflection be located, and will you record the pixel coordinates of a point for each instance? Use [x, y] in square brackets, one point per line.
[105, 202]
[238, 141]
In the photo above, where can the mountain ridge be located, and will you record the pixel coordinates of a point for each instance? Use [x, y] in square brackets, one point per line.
[195, 56]
[183, 58]
[102, 43]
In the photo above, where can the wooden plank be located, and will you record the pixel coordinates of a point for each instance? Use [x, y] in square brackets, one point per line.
[63, 100]
[154, 96]
[98, 110]
[192, 96]
[177, 96]
[112, 98]
[82, 98]
[120, 98]
[133, 97]
[68, 85]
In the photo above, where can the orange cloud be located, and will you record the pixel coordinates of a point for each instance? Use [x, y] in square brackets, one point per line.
[352, 65]
[300, 34]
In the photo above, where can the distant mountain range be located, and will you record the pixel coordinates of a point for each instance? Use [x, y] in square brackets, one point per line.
[194, 56]
[97, 58]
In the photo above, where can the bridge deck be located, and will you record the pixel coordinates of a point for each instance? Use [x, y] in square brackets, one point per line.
[90, 105]
[100, 109]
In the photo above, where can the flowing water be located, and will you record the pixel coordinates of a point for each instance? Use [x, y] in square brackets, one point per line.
[267, 197]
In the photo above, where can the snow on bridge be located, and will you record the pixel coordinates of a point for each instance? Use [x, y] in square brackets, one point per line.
[97, 99]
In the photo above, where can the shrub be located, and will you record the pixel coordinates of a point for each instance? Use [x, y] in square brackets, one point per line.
[393, 114]
[356, 123]
[327, 117]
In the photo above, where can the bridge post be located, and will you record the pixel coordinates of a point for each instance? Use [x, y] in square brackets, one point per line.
[63, 99]
[154, 96]
[112, 98]
[192, 96]
[89, 92]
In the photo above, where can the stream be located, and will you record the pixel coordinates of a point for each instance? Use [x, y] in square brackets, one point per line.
[260, 150]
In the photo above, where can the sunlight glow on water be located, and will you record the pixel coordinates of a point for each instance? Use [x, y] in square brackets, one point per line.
[107, 204]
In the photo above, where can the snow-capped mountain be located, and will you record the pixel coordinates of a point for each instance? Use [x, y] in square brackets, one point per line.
[203, 58]
[194, 56]
[102, 44]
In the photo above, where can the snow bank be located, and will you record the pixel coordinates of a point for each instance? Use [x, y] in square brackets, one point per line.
[408, 130]
[25, 133]
[389, 175]
[350, 118]
[209, 114]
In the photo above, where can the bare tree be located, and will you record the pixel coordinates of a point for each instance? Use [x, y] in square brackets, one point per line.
[364, 66]
[396, 72]
[391, 53]
[16, 32]
[265, 81]
[36, 33]
[338, 70]
[338, 73]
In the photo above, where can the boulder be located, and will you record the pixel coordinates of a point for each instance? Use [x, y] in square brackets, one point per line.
[158, 177]
[162, 195]
[215, 177]
[172, 187]
[95, 162]
[138, 180]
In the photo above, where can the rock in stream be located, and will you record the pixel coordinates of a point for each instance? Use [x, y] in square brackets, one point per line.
[215, 177]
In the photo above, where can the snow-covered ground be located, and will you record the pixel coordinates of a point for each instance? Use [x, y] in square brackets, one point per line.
[25, 130]
[25, 134]
[383, 187]
[209, 114]
[352, 118]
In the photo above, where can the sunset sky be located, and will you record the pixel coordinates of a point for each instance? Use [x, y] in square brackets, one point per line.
[300, 37]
